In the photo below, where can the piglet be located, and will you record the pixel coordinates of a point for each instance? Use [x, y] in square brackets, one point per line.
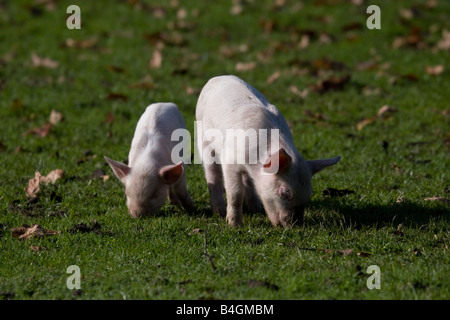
[151, 176]
[227, 103]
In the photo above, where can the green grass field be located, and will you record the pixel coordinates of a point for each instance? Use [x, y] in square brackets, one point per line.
[315, 60]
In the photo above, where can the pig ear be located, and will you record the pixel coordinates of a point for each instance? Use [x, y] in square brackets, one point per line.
[284, 162]
[170, 174]
[317, 165]
[120, 170]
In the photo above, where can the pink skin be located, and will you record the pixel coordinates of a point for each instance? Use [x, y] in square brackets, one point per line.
[151, 176]
[227, 102]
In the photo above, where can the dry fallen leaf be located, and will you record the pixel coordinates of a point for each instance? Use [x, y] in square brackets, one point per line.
[25, 231]
[364, 122]
[81, 44]
[363, 254]
[332, 83]
[196, 230]
[33, 184]
[245, 66]
[52, 176]
[43, 62]
[41, 132]
[38, 248]
[116, 96]
[435, 70]
[346, 252]
[156, 59]
[55, 117]
[302, 94]
[386, 111]
[444, 43]
[273, 77]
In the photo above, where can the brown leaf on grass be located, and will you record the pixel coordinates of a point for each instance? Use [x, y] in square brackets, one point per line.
[414, 39]
[26, 232]
[109, 118]
[315, 116]
[156, 60]
[332, 83]
[434, 70]
[195, 231]
[440, 199]
[81, 44]
[363, 254]
[115, 69]
[385, 111]
[41, 132]
[55, 117]
[146, 82]
[332, 192]
[326, 64]
[304, 42]
[444, 43]
[245, 66]
[191, 90]
[346, 252]
[301, 94]
[273, 77]
[364, 122]
[116, 96]
[33, 184]
[38, 248]
[39, 62]
[367, 65]
[53, 176]
[370, 91]
[236, 9]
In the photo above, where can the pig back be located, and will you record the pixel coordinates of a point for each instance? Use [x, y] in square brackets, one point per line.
[227, 102]
[154, 130]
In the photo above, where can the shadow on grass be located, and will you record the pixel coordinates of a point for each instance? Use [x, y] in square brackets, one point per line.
[332, 211]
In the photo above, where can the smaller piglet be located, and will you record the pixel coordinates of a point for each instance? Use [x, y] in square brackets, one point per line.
[151, 176]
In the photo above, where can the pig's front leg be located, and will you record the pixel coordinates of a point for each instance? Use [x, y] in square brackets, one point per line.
[235, 191]
[252, 201]
[172, 197]
[181, 193]
[214, 179]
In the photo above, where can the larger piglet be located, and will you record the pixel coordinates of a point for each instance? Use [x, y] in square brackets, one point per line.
[151, 176]
[227, 103]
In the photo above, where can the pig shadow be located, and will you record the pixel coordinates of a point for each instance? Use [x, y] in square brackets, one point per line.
[357, 215]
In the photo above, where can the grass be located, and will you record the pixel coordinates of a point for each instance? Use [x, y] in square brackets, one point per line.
[163, 257]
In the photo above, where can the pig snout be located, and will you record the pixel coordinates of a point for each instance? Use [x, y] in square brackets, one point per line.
[287, 218]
